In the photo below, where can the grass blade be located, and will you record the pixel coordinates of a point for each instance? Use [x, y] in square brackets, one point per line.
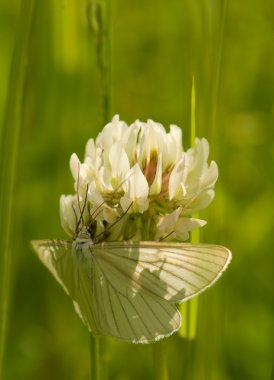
[9, 150]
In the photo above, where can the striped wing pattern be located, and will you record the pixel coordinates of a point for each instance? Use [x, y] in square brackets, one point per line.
[132, 316]
[129, 289]
[57, 256]
[173, 272]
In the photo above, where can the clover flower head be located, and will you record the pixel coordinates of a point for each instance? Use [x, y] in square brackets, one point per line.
[137, 175]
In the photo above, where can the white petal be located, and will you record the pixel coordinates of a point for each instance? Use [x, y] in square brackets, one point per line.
[119, 163]
[166, 224]
[136, 191]
[111, 133]
[152, 141]
[93, 196]
[137, 205]
[169, 221]
[126, 204]
[205, 147]
[156, 186]
[185, 225]
[67, 215]
[196, 158]
[210, 175]
[74, 164]
[176, 177]
[136, 185]
[174, 146]
[91, 149]
[129, 141]
[200, 202]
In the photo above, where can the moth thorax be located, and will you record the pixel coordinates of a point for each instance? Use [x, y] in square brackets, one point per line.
[84, 235]
[83, 241]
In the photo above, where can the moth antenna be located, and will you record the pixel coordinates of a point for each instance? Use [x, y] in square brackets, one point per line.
[165, 237]
[81, 210]
[97, 208]
[191, 200]
[113, 224]
[132, 236]
[98, 213]
[81, 218]
[76, 219]
[78, 199]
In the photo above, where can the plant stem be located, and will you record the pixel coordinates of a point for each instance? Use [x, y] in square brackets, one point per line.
[159, 362]
[98, 14]
[189, 309]
[193, 114]
[8, 164]
[95, 362]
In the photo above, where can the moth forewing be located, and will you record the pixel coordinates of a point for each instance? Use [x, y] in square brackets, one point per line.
[173, 272]
[129, 289]
[54, 254]
[60, 260]
[131, 315]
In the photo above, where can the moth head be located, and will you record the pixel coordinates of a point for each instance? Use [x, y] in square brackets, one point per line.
[84, 235]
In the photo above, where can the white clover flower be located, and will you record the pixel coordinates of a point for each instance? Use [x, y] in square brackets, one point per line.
[143, 171]
[135, 192]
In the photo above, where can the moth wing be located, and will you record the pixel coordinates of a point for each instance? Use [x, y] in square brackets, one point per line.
[55, 255]
[129, 315]
[173, 272]
[75, 279]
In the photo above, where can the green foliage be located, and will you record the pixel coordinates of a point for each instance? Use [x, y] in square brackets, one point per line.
[157, 47]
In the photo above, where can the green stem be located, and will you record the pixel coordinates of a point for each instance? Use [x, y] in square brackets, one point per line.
[159, 362]
[98, 14]
[193, 114]
[95, 362]
[8, 164]
[189, 309]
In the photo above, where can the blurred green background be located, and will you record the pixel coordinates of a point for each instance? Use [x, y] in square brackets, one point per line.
[157, 47]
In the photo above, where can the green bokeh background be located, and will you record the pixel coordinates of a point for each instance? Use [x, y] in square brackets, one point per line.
[157, 47]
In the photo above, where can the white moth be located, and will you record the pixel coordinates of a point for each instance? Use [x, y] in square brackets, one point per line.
[129, 290]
